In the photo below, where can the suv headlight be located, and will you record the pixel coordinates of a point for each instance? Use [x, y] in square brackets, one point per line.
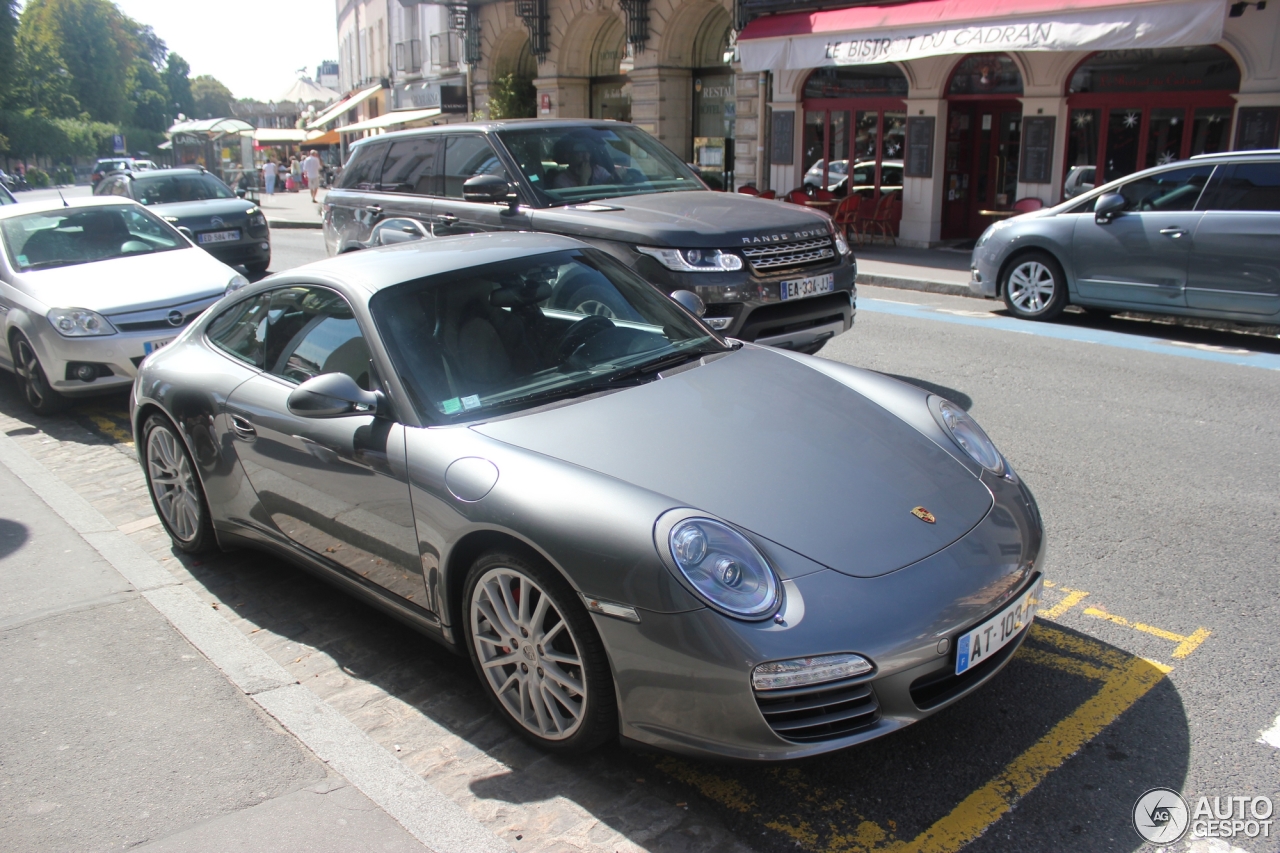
[694, 260]
[964, 430]
[725, 568]
[842, 245]
[79, 323]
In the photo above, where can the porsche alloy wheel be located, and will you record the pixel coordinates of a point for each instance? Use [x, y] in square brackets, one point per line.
[175, 490]
[538, 658]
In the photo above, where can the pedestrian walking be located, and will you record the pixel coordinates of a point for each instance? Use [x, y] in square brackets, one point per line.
[269, 176]
[295, 173]
[311, 168]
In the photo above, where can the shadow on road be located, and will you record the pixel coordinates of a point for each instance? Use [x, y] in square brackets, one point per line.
[960, 398]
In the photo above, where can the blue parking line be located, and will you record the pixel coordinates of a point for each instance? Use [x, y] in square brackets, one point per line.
[1204, 352]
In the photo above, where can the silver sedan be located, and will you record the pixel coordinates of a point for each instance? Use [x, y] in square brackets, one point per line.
[633, 527]
[89, 289]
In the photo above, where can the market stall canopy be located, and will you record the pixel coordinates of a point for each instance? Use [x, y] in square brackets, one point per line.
[339, 108]
[388, 119]
[306, 90]
[211, 126]
[864, 35]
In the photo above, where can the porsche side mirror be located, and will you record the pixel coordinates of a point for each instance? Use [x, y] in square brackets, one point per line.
[333, 395]
[690, 301]
[1107, 206]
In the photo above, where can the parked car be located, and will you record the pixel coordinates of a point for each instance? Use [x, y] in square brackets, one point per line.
[110, 165]
[1199, 238]
[423, 426]
[231, 229]
[90, 288]
[768, 272]
[837, 175]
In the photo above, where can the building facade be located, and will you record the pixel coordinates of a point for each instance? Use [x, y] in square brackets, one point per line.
[957, 106]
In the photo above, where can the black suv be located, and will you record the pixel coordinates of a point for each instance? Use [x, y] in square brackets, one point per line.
[231, 229]
[769, 272]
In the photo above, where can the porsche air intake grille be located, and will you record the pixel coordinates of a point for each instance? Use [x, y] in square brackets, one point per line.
[820, 711]
[800, 254]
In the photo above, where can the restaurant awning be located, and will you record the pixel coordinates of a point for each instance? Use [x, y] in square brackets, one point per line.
[278, 135]
[388, 119]
[342, 106]
[864, 35]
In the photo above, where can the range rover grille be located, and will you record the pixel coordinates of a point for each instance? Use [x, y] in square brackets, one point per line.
[799, 254]
[820, 711]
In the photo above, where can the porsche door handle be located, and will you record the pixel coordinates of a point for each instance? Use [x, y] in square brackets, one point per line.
[1173, 231]
[242, 428]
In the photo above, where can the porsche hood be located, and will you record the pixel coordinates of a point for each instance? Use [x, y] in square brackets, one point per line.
[777, 448]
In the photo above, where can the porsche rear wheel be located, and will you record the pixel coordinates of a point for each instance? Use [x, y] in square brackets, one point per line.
[175, 490]
[537, 654]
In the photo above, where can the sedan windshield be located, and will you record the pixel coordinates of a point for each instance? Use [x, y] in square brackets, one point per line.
[64, 237]
[172, 189]
[516, 334]
[573, 164]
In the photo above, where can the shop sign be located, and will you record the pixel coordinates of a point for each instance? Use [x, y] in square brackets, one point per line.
[448, 97]
[1113, 28]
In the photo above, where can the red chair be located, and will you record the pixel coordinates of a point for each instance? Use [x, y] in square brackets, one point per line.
[770, 194]
[1026, 205]
[883, 220]
[866, 213]
[796, 197]
[747, 189]
[846, 216]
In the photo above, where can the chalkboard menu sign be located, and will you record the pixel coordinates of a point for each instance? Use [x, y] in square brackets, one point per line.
[1036, 164]
[1257, 128]
[784, 133]
[919, 162]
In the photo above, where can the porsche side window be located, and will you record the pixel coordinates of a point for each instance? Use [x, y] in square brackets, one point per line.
[241, 330]
[311, 331]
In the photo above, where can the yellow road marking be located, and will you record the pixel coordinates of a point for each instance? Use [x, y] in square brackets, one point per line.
[1070, 600]
[1083, 647]
[110, 427]
[1186, 645]
[1062, 663]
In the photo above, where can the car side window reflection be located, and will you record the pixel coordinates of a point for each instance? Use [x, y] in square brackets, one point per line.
[312, 331]
[241, 330]
[466, 157]
[1175, 190]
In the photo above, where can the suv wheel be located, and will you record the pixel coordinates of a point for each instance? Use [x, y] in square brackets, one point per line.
[1035, 287]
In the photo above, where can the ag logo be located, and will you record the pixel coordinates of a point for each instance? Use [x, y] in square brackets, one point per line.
[1160, 816]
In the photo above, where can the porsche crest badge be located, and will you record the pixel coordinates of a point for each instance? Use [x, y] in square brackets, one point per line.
[924, 515]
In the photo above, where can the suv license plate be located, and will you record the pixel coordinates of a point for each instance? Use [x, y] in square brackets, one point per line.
[220, 236]
[151, 346]
[811, 286]
[979, 643]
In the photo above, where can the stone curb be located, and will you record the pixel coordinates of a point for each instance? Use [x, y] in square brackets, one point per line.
[920, 284]
[431, 817]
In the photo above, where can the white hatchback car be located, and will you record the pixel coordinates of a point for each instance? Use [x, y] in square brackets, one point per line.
[90, 288]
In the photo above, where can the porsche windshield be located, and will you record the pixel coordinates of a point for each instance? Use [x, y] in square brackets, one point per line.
[518, 333]
[575, 164]
[63, 237]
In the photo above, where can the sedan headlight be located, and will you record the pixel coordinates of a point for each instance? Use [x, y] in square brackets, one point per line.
[237, 281]
[79, 323]
[725, 568]
[694, 260]
[964, 430]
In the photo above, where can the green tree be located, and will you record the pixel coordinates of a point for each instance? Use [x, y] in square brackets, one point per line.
[96, 44]
[8, 50]
[512, 96]
[210, 99]
[177, 80]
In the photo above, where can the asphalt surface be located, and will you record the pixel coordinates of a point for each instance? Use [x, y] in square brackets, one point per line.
[1154, 452]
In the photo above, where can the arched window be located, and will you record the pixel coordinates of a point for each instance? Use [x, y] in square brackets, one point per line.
[985, 74]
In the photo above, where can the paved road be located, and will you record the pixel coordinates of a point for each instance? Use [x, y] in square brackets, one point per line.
[1154, 451]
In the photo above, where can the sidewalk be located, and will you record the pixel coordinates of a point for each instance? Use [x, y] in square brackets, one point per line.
[134, 719]
[292, 210]
[932, 270]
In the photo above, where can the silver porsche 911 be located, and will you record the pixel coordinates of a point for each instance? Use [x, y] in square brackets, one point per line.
[633, 527]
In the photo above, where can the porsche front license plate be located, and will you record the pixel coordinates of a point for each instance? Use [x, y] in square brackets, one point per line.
[220, 236]
[977, 644]
[811, 286]
[151, 346]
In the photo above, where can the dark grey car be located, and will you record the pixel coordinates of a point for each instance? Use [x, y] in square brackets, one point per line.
[770, 272]
[422, 426]
[1199, 238]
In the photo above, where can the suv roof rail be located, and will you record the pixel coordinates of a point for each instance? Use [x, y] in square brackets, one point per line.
[1253, 153]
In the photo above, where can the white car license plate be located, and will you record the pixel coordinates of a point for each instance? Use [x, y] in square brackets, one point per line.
[980, 643]
[220, 236]
[811, 286]
[151, 346]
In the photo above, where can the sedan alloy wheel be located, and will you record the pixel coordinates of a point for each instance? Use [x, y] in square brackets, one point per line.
[34, 384]
[1034, 288]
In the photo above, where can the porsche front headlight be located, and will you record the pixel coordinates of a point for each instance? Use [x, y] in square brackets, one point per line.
[964, 430]
[725, 568]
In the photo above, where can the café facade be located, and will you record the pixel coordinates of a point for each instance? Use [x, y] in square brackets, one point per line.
[963, 107]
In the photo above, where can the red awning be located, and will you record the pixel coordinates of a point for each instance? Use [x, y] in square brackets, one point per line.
[897, 32]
